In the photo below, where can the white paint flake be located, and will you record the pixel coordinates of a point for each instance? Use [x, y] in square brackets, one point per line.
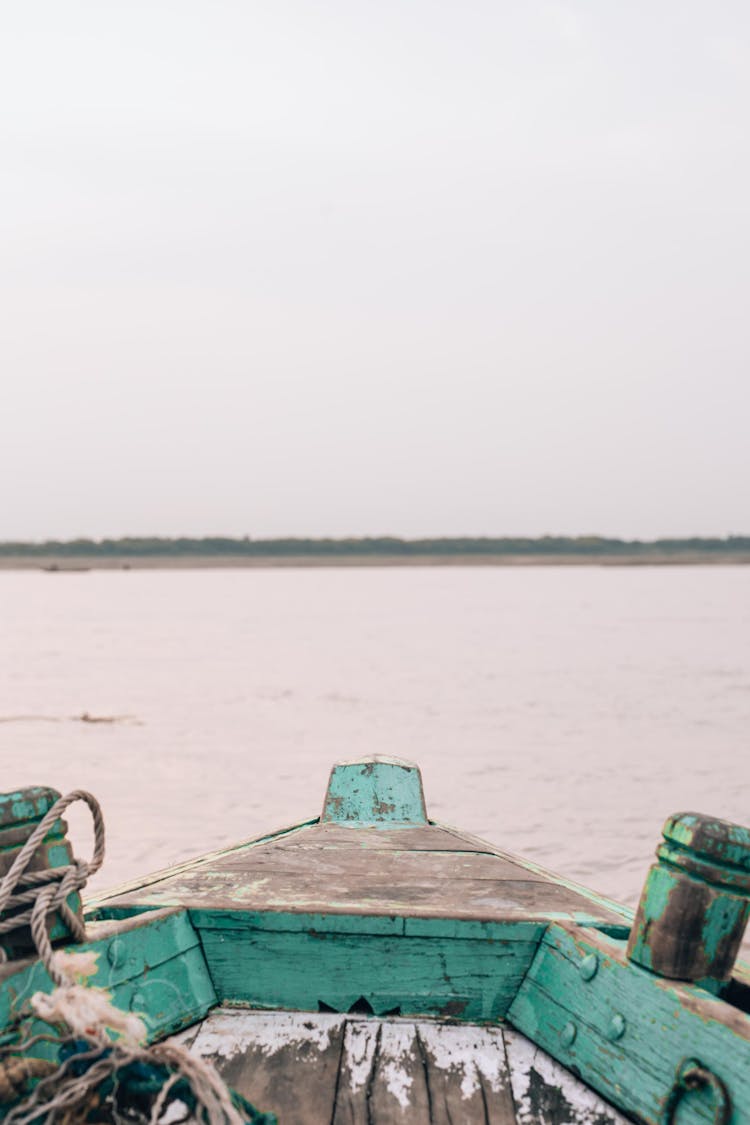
[523, 1056]
[359, 1051]
[468, 1050]
[229, 1032]
[397, 1044]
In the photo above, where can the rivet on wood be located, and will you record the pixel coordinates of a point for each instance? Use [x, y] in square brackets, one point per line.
[589, 966]
[616, 1028]
[568, 1034]
[137, 1002]
[117, 954]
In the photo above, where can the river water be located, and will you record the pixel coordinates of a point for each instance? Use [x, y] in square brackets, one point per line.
[560, 712]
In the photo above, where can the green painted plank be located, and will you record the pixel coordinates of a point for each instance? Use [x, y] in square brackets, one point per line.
[153, 965]
[626, 1031]
[469, 978]
[26, 805]
[272, 920]
[367, 924]
[466, 928]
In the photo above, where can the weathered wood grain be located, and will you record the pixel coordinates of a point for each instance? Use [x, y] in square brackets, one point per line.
[695, 903]
[427, 837]
[123, 891]
[544, 1093]
[284, 1063]
[626, 1031]
[152, 964]
[424, 871]
[472, 979]
[397, 867]
[480, 899]
[350, 1070]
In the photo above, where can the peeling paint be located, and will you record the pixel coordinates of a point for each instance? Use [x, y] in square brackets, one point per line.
[227, 1032]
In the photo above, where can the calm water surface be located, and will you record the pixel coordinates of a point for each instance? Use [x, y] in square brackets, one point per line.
[560, 712]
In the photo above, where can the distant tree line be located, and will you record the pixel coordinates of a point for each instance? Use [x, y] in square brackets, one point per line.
[383, 545]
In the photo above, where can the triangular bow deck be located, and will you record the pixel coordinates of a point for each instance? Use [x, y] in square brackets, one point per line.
[401, 970]
[373, 902]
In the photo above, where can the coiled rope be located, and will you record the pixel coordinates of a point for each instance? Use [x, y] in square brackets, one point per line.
[96, 1071]
[46, 892]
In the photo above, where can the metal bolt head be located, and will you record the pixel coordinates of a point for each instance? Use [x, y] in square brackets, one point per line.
[589, 966]
[616, 1027]
[568, 1034]
[137, 1002]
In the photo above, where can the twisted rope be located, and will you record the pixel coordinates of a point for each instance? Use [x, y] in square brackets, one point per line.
[69, 1092]
[20, 887]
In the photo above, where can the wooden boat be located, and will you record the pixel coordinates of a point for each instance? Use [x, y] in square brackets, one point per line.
[372, 966]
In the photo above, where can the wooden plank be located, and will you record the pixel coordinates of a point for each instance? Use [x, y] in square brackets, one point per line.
[468, 979]
[608, 905]
[284, 1063]
[152, 964]
[467, 1073]
[124, 891]
[400, 868]
[544, 1092]
[427, 837]
[312, 1069]
[626, 1031]
[331, 923]
[383, 1078]
[433, 896]
[328, 868]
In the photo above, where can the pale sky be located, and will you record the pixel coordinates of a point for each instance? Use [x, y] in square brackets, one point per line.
[409, 266]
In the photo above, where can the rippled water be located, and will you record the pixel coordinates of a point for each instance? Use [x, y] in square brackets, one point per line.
[560, 712]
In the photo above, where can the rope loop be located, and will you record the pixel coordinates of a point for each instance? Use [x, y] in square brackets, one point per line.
[692, 1075]
[35, 895]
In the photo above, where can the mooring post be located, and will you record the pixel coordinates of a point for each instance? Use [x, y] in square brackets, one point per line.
[695, 903]
[20, 813]
[376, 792]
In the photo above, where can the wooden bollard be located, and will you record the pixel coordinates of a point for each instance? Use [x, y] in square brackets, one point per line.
[696, 901]
[20, 813]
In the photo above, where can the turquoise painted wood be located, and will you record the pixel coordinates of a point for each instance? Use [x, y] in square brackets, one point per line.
[20, 813]
[379, 791]
[152, 964]
[375, 909]
[696, 901]
[627, 1032]
[466, 971]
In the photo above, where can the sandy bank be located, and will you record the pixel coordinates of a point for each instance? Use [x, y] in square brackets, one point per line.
[199, 562]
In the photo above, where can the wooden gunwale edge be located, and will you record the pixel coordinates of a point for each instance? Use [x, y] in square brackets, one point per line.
[625, 912]
[545, 1000]
[188, 864]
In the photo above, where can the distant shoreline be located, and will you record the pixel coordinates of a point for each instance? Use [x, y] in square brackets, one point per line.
[78, 563]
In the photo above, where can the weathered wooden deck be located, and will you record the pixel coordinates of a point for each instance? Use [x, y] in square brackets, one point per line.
[371, 966]
[418, 872]
[351, 1070]
[378, 855]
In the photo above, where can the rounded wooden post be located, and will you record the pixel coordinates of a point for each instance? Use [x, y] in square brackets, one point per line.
[696, 901]
[20, 813]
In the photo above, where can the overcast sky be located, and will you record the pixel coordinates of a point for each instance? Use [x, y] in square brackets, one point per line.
[406, 266]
